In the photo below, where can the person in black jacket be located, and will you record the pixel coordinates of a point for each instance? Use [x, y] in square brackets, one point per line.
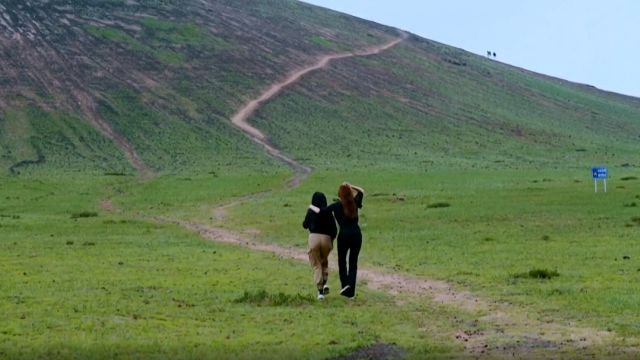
[350, 236]
[322, 231]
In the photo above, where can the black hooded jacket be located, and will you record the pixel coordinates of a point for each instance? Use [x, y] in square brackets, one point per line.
[323, 222]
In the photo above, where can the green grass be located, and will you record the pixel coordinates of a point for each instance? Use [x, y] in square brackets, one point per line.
[177, 33]
[165, 56]
[319, 40]
[500, 223]
[162, 39]
[118, 36]
[537, 274]
[189, 197]
[118, 287]
[168, 143]
[84, 214]
[34, 140]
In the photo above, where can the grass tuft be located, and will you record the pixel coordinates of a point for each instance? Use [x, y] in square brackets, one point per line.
[84, 214]
[627, 178]
[438, 205]
[538, 274]
[263, 298]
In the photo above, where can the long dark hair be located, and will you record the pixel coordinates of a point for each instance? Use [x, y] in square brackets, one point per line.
[348, 203]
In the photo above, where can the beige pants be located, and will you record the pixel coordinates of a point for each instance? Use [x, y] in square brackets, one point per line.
[319, 248]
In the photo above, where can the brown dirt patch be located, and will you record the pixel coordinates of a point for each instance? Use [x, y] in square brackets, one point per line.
[107, 205]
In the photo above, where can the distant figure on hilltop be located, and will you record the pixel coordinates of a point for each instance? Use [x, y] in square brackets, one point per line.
[491, 53]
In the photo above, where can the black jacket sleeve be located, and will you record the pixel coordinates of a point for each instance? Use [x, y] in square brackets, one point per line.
[332, 208]
[358, 199]
[333, 229]
[307, 219]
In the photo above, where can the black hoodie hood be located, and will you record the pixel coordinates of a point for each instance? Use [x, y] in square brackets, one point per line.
[318, 199]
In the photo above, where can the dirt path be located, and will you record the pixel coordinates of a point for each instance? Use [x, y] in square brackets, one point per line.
[240, 119]
[500, 329]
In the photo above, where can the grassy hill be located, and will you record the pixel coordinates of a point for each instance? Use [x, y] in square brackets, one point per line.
[477, 176]
[91, 85]
[424, 103]
[164, 77]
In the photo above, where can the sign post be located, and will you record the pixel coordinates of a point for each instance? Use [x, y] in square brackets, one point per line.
[600, 173]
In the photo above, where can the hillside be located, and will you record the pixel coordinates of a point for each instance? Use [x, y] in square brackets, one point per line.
[124, 86]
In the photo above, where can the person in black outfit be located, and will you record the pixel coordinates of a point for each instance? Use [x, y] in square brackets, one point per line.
[350, 237]
[322, 231]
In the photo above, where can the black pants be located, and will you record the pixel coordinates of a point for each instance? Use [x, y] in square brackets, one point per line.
[349, 242]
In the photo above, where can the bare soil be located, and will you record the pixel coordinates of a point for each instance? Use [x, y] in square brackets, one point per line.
[107, 205]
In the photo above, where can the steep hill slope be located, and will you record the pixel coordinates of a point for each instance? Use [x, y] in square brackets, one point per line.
[151, 86]
[159, 81]
[427, 103]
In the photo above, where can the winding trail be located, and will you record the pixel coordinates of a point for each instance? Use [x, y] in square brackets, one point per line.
[505, 330]
[501, 330]
[240, 119]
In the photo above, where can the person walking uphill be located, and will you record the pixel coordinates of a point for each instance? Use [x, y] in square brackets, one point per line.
[350, 236]
[322, 231]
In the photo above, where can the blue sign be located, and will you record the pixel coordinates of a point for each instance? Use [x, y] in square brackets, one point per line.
[599, 173]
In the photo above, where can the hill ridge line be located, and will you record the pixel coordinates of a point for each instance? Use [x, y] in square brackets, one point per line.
[241, 117]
